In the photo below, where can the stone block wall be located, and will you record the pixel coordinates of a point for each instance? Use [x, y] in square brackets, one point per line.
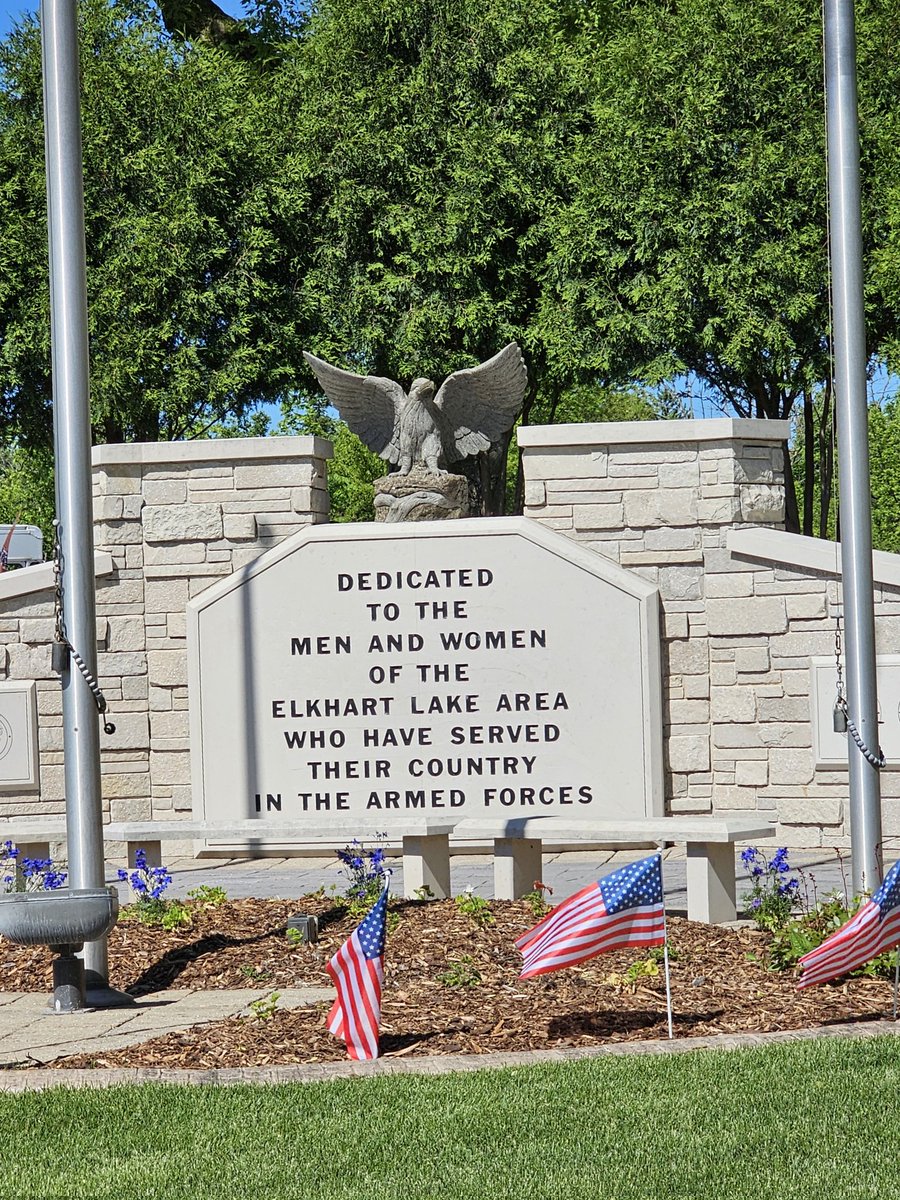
[741, 616]
[169, 519]
[26, 630]
[695, 507]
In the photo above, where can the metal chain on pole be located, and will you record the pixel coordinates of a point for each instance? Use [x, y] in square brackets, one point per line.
[842, 719]
[61, 644]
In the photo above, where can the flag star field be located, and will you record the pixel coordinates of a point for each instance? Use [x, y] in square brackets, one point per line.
[371, 930]
[637, 884]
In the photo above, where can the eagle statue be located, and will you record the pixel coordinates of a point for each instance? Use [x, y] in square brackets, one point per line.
[472, 409]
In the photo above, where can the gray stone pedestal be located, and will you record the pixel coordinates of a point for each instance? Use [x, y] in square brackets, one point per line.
[422, 495]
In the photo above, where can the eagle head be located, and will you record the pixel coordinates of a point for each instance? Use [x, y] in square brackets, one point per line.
[422, 390]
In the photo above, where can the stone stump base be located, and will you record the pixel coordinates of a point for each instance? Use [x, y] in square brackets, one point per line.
[422, 495]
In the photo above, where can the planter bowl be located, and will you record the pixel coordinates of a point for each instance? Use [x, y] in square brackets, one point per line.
[65, 917]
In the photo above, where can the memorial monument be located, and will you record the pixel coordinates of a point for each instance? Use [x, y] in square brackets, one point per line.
[463, 668]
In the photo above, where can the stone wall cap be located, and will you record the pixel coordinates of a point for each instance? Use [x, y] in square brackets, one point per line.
[619, 433]
[259, 830]
[813, 554]
[42, 828]
[39, 578]
[210, 450]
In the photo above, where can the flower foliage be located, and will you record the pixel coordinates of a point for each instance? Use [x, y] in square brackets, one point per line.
[475, 907]
[31, 874]
[774, 889]
[364, 869]
[41, 875]
[147, 883]
[147, 886]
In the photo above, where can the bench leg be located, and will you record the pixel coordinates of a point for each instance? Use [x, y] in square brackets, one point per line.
[710, 882]
[518, 862]
[426, 863]
[152, 850]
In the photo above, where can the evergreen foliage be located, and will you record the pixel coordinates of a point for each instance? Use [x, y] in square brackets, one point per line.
[632, 189]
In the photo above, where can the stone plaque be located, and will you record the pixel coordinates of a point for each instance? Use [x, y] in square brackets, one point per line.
[830, 748]
[19, 763]
[475, 667]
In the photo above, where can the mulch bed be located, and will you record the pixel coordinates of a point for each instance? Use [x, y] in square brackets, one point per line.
[451, 986]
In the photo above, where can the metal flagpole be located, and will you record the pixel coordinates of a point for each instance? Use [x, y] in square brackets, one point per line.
[853, 447]
[72, 444]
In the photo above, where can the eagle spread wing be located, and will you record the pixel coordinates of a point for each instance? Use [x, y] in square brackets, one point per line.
[369, 404]
[481, 403]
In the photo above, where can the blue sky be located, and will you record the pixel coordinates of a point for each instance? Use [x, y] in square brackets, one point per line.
[10, 9]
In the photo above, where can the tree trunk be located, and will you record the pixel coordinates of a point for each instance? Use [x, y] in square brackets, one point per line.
[527, 406]
[809, 463]
[791, 513]
[826, 459]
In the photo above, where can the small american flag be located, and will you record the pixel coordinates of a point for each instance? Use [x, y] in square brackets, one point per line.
[622, 909]
[4, 549]
[357, 972]
[874, 928]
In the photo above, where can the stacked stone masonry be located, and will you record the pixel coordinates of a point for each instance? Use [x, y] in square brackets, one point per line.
[738, 631]
[673, 501]
[172, 519]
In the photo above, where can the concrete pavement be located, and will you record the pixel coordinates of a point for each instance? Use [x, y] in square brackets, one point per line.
[565, 873]
[30, 1034]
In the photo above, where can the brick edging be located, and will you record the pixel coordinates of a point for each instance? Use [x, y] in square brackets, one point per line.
[43, 1079]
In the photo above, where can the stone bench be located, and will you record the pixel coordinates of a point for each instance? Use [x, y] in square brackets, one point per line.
[425, 843]
[517, 846]
[518, 851]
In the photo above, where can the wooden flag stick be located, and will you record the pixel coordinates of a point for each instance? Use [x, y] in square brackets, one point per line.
[666, 947]
[896, 978]
[669, 987]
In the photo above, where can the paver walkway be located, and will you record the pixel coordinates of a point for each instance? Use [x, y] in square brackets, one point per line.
[564, 872]
[30, 1033]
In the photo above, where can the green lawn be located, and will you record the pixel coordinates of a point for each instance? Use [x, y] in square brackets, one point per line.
[816, 1119]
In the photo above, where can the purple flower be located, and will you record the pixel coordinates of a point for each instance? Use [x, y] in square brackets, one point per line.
[364, 870]
[147, 883]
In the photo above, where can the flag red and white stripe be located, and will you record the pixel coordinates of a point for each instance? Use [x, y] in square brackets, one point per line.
[623, 909]
[875, 928]
[357, 972]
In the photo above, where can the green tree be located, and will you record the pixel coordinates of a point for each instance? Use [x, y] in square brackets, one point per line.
[695, 236]
[353, 467]
[884, 471]
[185, 307]
[427, 143]
[884, 479]
[633, 190]
[26, 489]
